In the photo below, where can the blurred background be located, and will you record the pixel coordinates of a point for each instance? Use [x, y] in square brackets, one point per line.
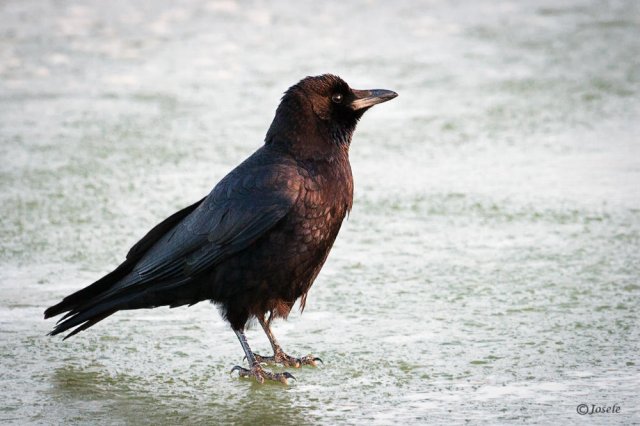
[489, 271]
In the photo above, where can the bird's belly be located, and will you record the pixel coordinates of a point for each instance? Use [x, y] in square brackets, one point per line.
[306, 244]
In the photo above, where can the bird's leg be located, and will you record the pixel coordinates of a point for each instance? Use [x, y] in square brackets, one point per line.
[255, 369]
[279, 357]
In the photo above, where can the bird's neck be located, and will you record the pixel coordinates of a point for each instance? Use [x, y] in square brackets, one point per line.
[298, 131]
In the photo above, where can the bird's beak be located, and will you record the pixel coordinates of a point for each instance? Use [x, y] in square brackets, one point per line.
[369, 98]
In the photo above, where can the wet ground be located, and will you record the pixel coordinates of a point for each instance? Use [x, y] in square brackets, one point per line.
[489, 271]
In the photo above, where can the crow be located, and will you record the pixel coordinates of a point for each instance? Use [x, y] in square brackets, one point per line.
[256, 243]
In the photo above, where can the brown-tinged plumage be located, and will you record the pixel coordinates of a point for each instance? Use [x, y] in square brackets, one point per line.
[256, 243]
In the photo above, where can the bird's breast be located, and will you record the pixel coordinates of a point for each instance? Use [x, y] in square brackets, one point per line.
[324, 201]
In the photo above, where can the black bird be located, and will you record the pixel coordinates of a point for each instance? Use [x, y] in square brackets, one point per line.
[255, 244]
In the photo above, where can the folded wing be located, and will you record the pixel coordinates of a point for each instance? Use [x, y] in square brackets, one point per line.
[160, 268]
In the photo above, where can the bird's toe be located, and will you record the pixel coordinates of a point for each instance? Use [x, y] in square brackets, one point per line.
[311, 360]
[289, 361]
[280, 377]
[285, 360]
[265, 359]
[260, 375]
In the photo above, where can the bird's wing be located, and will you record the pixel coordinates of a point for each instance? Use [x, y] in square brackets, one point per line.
[81, 297]
[242, 208]
[158, 231]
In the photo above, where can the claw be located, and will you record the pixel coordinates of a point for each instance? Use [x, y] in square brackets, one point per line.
[237, 368]
[309, 360]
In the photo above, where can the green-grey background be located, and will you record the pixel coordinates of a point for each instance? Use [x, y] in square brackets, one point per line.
[488, 273]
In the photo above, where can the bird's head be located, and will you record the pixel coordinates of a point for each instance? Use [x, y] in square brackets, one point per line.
[316, 117]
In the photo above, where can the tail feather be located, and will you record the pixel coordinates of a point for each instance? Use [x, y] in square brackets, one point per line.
[173, 293]
[106, 296]
[89, 323]
[88, 317]
[74, 301]
[80, 297]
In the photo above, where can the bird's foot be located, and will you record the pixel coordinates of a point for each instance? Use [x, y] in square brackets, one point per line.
[288, 361]
[258, 373]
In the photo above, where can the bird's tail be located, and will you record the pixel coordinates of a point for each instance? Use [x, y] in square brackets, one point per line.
[78, 298]
[83, 306]
[91, 305]
[96, 302]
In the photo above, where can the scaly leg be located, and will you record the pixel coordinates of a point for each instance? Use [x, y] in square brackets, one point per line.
[256, 371]
[279, 357]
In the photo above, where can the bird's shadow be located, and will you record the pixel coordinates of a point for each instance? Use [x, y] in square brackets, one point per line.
[93, 393]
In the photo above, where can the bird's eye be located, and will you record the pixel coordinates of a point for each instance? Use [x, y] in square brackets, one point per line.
[337, 98]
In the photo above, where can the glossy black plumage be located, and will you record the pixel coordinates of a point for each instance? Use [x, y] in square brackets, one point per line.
[255, 244]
